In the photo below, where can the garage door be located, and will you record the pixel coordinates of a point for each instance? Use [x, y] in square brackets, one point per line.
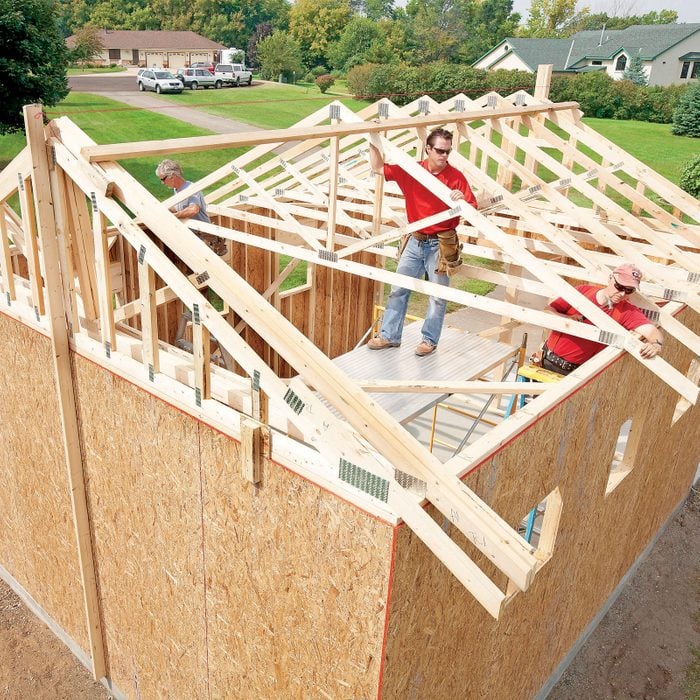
[177, 60]
[154, 59]
[199, 57]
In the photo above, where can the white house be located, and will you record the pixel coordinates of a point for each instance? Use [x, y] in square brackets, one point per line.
[155, 48]
[670, 53]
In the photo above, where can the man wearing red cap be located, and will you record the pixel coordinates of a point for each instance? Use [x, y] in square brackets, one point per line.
[563, 353]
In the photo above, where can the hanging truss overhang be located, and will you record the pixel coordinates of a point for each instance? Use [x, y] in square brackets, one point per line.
[557, 202]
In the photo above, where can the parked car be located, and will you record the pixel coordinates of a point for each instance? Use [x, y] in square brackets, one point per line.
[204, 64]
[194, 77]
[158, 80]
[236, 73]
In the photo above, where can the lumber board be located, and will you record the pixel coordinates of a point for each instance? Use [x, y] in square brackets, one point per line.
[137, 149]
[33, 124]
[29, 227]
[8, 278]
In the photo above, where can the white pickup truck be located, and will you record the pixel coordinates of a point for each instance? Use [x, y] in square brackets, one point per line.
[233, 74]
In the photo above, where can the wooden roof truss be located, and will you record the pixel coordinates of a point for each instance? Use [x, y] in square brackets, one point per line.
[536, 168]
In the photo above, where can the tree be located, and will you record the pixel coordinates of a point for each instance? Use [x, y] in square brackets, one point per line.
[552, 18]
[88, 44]
[488, 22]
[378, 9]
[261, 31]
[686, 117]
[33, 58]
[316, 24]
[635, 71]
[439, 27]
[362, 41]
[603, 19]
[279, 53]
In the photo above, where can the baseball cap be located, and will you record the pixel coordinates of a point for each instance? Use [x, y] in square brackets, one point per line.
[628, 275]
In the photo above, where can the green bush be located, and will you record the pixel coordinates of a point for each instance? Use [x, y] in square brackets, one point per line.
[317, 71]
[686, 117]
[357, 79]
[690, 176]
[597, 93]
[601, 96]
[324, 82]
[403, 83]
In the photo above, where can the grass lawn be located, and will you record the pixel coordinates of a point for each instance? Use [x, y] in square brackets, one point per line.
[653, 144]
[107, 121]
[88, 71]
[267, 105]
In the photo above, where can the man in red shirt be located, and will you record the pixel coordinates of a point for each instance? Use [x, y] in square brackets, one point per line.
[563, 353]
[421, 256]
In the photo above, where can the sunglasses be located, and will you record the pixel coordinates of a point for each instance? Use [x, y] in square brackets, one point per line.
[621, 288]
[442, 151]
[164, 178]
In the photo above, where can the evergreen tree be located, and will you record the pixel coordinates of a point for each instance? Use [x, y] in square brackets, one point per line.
[635, 71]
[690, 176]
[686, 117]
[33, 59]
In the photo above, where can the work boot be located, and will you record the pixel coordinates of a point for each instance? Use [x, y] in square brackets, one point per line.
[379, 343]
[424, 348]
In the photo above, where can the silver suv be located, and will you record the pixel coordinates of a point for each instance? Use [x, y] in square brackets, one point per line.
[158, 81]
[194, 77]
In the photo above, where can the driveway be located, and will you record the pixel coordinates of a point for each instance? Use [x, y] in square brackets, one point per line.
[122, 87]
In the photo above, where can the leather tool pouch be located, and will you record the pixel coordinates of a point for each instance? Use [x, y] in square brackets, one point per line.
[450, 252]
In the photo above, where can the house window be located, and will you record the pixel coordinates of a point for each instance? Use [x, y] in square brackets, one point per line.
[596, 63]
[621, 63]
[684, 69]
[696, 70]
[115, 54]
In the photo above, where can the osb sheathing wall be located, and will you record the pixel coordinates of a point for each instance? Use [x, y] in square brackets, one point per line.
[209, 586]
[37, 542]
[441, 644]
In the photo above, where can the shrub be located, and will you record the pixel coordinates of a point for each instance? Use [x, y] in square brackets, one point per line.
[690, 176]
[601, 96]
[317, 71]
[686, 117]
[324, 82]
[357, 79]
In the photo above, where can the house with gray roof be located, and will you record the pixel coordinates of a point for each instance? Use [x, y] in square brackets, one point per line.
[670, 53]
[162, 49]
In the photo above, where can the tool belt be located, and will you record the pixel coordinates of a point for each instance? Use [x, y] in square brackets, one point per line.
[450, 252]
[557, 361]
[216, 243]
[423, 237]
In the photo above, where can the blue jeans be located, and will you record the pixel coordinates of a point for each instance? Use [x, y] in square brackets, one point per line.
[419, 258]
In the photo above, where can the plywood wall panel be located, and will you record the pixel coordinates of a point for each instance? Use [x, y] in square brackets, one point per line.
[296, 584]
[142, 466]
[37, 541]
[599, 539]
